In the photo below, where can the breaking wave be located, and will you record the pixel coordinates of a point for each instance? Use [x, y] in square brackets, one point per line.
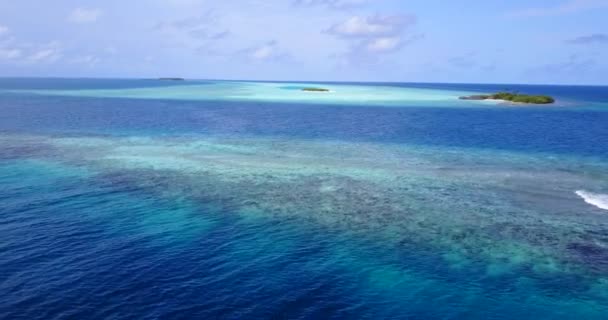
[595, 199]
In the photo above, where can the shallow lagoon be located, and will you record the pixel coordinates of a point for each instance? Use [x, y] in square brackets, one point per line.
[340, 94]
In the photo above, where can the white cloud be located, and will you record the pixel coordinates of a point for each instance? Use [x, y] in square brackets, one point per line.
[371, 36]
[48, 53]
[9, 54]
[373, 26]
[88, 60]
[590, 39]
[43, 55]
[335, 4]
[84, 15]
[263, 52]
[384, 44]
[269, 51]
[193, 31]
[19, 52]
[266, 51]
[110, 50]
[358, 26]
[565, 7]
[3, 30]
[183, 2]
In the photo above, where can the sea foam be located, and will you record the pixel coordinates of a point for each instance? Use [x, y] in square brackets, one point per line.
[595, 199]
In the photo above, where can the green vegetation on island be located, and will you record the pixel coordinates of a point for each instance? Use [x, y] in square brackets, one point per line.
[513, 97]
[315, 89]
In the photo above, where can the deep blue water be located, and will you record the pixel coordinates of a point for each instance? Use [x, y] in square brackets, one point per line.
[570, 130]
[86, 236]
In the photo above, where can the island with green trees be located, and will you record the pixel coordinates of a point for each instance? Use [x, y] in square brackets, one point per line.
[513, 97]
[312, 89]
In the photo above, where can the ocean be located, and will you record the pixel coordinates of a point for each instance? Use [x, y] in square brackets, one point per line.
[148, 199]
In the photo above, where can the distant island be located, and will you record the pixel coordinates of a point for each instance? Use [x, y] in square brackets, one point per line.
[172, 79]
[315, 89]
[512, 97]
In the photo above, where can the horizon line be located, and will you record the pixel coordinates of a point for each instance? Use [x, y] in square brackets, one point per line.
[303, 81]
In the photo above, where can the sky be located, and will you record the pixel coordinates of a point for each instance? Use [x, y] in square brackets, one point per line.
[490, 41]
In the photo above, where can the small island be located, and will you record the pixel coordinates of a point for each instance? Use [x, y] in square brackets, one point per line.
[315, 89]
[512, 97]
[171, 79]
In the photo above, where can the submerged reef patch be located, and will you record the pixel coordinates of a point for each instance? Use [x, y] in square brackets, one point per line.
[464, 203]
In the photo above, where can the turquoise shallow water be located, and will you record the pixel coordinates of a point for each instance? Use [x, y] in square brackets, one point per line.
[337, 94]
[144, 206]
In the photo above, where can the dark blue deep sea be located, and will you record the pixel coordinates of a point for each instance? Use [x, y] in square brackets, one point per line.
[161, 208]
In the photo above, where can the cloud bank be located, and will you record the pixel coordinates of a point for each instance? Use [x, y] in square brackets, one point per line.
[84, 15]
[563, 8]
[334, 4]
[590, 39]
